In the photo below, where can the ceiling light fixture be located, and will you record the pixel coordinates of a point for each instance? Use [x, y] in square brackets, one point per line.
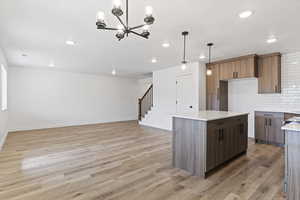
[245, 14]
[51, 64]
[114, 72]
[184, 62]
[202, 57]
[154, 60]
[124, 29]
[24, 55]
[70, 42]
[271, 40]
[166, 45]
[209, 70]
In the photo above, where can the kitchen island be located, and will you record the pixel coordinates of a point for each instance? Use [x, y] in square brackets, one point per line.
[206, 140]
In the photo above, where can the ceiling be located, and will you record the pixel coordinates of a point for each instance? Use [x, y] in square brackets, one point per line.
[39, 29]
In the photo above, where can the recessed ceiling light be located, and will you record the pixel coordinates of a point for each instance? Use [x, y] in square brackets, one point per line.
[70, 42]
[114, 72]
[272, 39]
[166, 44]
[51, 64]
[246, 14]
[202, 57]
[154, 60]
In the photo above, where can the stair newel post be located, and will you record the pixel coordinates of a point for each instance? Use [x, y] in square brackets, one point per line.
[140, 109]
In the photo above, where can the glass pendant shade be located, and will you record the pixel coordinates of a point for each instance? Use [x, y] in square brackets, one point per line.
[208, 72]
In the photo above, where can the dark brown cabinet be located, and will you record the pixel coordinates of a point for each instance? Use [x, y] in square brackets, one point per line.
[268, 127]
[225, 140]
[269, 73]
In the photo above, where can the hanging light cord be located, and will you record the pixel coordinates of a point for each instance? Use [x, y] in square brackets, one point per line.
[185, 34]
[209, 54]
[184, 47]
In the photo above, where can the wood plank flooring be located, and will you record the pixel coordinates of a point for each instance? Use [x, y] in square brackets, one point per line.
[122, 161]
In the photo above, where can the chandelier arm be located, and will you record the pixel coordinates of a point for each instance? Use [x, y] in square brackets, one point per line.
[109, 29]
[130, 31]
[137, 27]
[121, 21]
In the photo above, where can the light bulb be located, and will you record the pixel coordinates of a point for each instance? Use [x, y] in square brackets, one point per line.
[100, 16]
[208, 72]
[146, 27]
[149, 11]
[120, 28]
[183, 67]
[114, 72]
[117, 4]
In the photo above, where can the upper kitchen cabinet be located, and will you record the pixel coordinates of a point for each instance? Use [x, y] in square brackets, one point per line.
[269, 73]
[241, 67]
[246, 67]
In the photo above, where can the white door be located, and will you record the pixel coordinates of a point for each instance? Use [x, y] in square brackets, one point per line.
[184, 93]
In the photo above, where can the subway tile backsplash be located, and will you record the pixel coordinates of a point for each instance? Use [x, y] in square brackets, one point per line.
[243, 96]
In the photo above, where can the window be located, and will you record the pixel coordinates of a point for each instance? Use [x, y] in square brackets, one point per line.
[3, 88]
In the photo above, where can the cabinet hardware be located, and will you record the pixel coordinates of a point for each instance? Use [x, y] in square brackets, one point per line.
[266, 122]
[270, 122]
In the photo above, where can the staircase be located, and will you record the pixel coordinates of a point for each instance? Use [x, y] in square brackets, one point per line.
[146, 103]
[151, 116]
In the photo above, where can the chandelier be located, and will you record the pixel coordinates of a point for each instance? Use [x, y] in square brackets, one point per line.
[124, 29]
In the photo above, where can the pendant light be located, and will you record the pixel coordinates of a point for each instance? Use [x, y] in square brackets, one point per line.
[184, 62]
[209, 70]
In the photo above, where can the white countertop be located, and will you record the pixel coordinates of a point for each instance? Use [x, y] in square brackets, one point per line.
[294, 119]
[208, 115]
[293, 126]
[278, 111]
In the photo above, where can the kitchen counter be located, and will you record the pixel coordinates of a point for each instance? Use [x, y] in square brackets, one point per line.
[293, 126]
[209, 115]
[206, 140]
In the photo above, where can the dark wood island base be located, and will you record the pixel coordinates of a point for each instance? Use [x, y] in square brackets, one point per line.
[203, 145]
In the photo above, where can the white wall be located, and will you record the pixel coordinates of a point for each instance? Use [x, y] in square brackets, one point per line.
[243, 95]
[164, 83]
[164, 94]
[144, 85]
[45, 98]
[3, 114]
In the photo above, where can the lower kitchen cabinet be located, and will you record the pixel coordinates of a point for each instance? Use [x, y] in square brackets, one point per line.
[225, 140]
[268, 128]
[200, 145]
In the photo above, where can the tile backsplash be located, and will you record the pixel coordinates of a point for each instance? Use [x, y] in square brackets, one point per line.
[243, 95]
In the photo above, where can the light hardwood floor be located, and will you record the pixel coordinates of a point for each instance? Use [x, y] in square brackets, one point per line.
[123, 161]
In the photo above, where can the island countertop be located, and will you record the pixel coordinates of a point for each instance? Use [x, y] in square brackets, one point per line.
[293, 126]
[208, 115]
